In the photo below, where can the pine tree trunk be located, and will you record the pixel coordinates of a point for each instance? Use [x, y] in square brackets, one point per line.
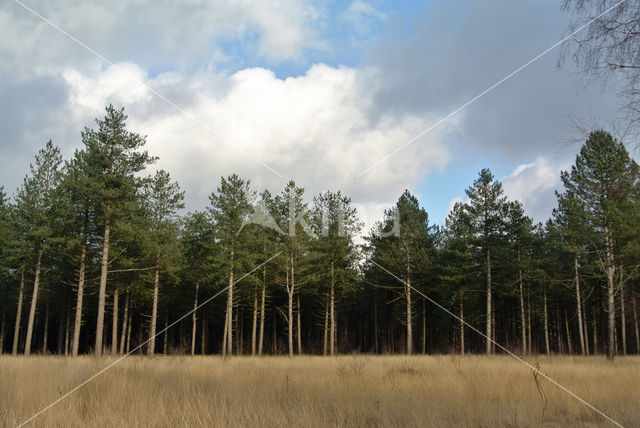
[424, 327]
[274, 343]
[530, 341]
[585, 323]
[66, 336]
[203, 336]
[461, 326]
[16, 330]
[165, 340]
[299, 335]
[125, 316]
[290, 314]
[254, 321]
[595, 332]
[566, 324]
[489, 312]
[493, 329]
[610, 271]
[523, 320]
[151, 347]
[103, 289]
[409, 314]
[114, 322]
[558, 331]
[194, 320]
[546, 320]
[326, 327]
[263, 298]
[46, 327]
[34, 302]
[579, 304]
[623, 319]
[78, 318]
[129, 333]
[227, 346]
[332, 311]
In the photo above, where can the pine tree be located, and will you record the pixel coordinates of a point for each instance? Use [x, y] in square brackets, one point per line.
[335, 224]
[519, 228]
[113, 159]
[485, 211]
[403, 244]
[292, 217]
[197, 243]
[603, 183]
[230, 208]
[456, 260]
[34, 211]
[163, 199]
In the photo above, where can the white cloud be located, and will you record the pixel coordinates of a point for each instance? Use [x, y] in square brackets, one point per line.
[313, 128]
[153, 33]
[533, 184]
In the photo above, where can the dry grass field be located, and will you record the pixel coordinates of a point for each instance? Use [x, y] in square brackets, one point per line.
[315, 391]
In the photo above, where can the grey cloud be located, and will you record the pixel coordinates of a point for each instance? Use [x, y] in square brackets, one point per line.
[463, 47]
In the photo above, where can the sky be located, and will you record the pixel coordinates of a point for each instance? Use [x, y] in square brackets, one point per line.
[329, 94]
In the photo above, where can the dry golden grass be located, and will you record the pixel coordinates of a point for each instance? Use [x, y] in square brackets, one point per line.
[315, 391]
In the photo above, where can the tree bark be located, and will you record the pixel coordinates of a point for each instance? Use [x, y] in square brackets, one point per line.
[409, 314]
[66, 336]
[523, 323]
[546, 320]
[254, 321]
[125, 315]
[623, 319]
[114, 322]
[46, 327]
[326, 327]
[263, 297]
[299, 335]
[566, 324]
[129, 333]
[585, 323]
[16, 330]
[194, 320]
[227, 345]
[77, 325]
[103, 289]
[579, 303]
[635, 320]
[461, 326]
[489, 312]
[424, 327]
[530, 340]
[290, 308]
[203, 336]
[34, 302]
[151, 347]
[332, 311]
[165, 341]
[595, 332]
[610, 271]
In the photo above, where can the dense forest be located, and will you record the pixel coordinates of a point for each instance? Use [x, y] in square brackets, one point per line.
[96, 257]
